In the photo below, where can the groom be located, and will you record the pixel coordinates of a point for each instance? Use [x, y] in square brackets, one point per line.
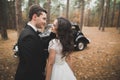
[30, 46]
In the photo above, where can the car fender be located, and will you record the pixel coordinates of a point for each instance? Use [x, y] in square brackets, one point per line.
[80, 36]
[82, 39]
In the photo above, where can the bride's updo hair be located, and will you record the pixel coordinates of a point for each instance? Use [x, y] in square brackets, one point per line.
[65, 35]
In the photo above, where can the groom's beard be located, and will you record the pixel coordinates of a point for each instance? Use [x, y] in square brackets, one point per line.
[40, 26]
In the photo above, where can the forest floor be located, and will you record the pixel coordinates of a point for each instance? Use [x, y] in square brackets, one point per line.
[99, 61]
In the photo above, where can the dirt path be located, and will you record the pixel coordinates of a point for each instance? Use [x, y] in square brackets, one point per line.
[99, 61]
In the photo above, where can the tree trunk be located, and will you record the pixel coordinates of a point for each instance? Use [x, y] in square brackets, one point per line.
[30, 2]
[104, 16]
[15, 15]
[113, 13]
[118, 21]
[48, 10]
[67, 10]
[102, 11]
[88, 17]
[108, 11]
[18, 16]
[3, 19]
[36, 2]
[11, 14]
[82, 15]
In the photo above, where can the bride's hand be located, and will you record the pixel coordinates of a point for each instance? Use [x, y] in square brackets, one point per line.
[53, 29]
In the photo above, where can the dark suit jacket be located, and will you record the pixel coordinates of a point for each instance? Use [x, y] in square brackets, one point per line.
[46, 41]
[31, 58]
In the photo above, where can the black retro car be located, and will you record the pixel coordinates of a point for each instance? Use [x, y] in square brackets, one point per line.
[80, 41]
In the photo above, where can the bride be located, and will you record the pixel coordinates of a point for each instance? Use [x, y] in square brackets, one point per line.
[59, 48]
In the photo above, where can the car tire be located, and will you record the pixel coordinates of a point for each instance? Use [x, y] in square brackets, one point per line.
[80, 46]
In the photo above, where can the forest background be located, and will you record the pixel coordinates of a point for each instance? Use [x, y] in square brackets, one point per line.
[94, 17]
[101, 13]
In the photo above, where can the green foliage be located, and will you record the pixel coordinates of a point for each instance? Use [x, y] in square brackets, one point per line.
[117, 1]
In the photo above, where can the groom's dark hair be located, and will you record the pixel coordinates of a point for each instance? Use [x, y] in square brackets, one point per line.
[36, 9]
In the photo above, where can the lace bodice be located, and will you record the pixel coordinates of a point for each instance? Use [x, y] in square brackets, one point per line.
[56, 45]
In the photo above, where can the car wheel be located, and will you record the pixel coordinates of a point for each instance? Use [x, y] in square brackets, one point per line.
[81, 46]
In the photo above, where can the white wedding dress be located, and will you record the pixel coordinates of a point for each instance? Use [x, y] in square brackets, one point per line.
[61, 70]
